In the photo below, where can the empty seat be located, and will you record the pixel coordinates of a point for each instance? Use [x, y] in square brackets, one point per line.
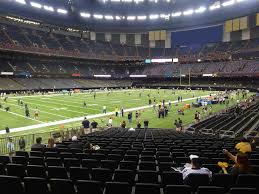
[134, 158]
[195, 180]
[165, 166]
[237, 190]
[132, 152]
[90, 163]
[2, 169]
[4, 160]
[33, 160]
[54, 162]
[90, 186]
[101, 174]
[63, 186]
[115, 157]
[10, 185]
[223, 180]
[110, 164]
[97, 156]
[178, 189]
[22, 153]
[148, 158]
[64, 155]
[128, 165]
[36, 153]
[164, 159]
[16, 170]
[145, 188]
[146, 176]
[210, 190]
[57, 172]
[33, 185]
[20, 160]
[77, 173]
[171, 178]
[124, 176]
[36, 171]
[147, 166]
[51, 154]
[71, 162]
[117, 187]
[248, 180]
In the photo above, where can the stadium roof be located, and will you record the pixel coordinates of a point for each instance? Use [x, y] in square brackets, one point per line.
[129, 15]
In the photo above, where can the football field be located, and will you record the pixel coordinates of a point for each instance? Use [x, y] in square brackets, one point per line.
[62, 109]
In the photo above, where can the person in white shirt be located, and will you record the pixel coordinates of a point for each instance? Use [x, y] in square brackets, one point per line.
[195, 168]
[104, 109]
[110, 122]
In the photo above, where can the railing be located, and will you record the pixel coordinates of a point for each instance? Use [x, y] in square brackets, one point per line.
[31, 138]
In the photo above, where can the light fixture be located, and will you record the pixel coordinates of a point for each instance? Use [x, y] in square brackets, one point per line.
[153, 16]
[98, 16]
[188, 12]
[36, 5]
[63, 11]
[21, 1]
[108, 17]
[118, 17]
[228, 3]
[200, 10]
[176, 14]
[131, 18]
[85, 15]
[48, 8]
[142, 17]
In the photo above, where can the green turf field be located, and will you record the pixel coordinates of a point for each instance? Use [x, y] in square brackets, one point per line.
[61, 107]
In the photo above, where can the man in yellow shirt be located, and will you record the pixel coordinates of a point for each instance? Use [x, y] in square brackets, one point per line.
[244, 146]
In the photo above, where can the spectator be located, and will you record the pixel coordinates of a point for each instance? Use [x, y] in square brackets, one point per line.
[146, 124]
[75, 144]
[94, 124]
[110, 122]
[138, 125]
[85, 123]
[180, 124]
[10, 147]
[130, 117]
[241, 166]
[38, 143]
[22, 144]
[51, 143]
[177, 125]
[244, 146]
[88, 146]
[123, 124]
[195, 168]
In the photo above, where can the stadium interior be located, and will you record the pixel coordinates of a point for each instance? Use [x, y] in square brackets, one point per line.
[129, 96]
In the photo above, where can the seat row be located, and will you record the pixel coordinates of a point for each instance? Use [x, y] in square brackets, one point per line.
[130, 176]
[32, 185]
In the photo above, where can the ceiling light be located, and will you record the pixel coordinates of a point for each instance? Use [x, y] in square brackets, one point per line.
[188, 12]
[176, 14]
[118, 17]
[154, 16]
[214, 6]
[85, 15]
[63, 11]
[36, 5]
[142, 17]
[98, 16]
[108, 17]
[48, 8]
[200, 10]
[228, 3]
[21, 1]
[131, 18]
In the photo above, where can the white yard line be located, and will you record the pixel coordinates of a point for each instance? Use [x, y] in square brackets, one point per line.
[89, 117]
[13, 113]
[37, 104]
[41, 111]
